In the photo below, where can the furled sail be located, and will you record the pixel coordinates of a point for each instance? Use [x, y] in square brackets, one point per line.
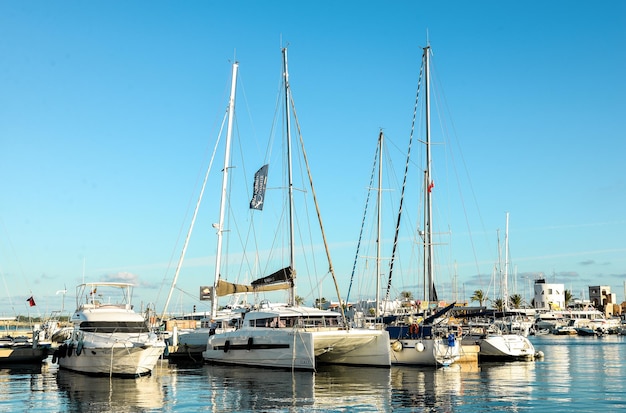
[280, 280]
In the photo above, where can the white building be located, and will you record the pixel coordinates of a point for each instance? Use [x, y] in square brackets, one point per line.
[549, 296]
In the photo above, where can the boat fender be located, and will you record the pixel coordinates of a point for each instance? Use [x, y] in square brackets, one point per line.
[460, 331]
[166, 352]
[451, 340]
[226, 346]
[250, 342]
[55, 356]
[70, 349]
[79, 347]
[419, 347]
[396, 346]
[62, 350]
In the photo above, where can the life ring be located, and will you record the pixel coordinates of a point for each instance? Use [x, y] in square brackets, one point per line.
[414, 329]
[79, 347]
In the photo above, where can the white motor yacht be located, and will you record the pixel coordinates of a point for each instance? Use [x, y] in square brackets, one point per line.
[109, 337]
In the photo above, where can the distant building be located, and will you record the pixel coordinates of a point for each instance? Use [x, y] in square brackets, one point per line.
[549, 296]
[602, 298]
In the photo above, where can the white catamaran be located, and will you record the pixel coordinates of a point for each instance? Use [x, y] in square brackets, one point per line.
[288, 335]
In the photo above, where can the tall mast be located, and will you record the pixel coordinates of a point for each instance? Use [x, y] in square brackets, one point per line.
[428, 214]
[379, 220]
[220, 225]
[506, 264]
[292, 291]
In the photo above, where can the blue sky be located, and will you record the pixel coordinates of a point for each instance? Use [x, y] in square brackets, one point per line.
[108, 110]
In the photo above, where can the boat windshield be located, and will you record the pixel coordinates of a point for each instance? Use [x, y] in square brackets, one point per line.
[281, 322]
[114, 326]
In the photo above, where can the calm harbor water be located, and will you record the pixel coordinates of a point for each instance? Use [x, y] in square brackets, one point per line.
[578, 373]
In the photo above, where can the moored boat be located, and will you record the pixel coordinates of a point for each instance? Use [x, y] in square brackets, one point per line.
[288, 335]
[432, 342]
[22, 350]
[109, 337]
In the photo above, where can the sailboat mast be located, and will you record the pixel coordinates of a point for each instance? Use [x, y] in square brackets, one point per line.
[292, 291]
[220, 225]
[428, 214]
[506, 265]
[379, 220]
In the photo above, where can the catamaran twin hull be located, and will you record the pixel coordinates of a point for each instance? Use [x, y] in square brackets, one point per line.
[299, 349]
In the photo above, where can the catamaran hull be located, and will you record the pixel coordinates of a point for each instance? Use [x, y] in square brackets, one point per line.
[353, 347]
[121, 361]
[299, 350]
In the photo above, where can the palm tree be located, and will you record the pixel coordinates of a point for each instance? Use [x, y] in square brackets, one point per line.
[498, 304]
[479, 296]
[516, 300]
[568, 297]
[406, 295]
[319, 302]
[299, 300]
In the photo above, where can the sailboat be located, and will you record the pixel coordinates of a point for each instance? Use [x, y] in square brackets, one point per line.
[291, 336]
[424, 339]
[496, 340]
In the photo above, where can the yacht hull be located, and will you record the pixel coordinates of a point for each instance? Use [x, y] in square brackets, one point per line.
[425, 352]
[299, 349]
[506, 347]
[117, 360]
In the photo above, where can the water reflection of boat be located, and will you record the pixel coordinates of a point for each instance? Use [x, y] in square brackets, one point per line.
[260, 389]
[288, 389]
[104, 394]
[509, 380]
[363, 388]
[426, 388]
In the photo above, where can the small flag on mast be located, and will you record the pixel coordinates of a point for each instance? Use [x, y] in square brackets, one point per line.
[258, 190]
[31, 301]
[431, 186]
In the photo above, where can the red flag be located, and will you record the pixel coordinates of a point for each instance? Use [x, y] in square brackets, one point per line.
[31, 301]
[431, 186]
